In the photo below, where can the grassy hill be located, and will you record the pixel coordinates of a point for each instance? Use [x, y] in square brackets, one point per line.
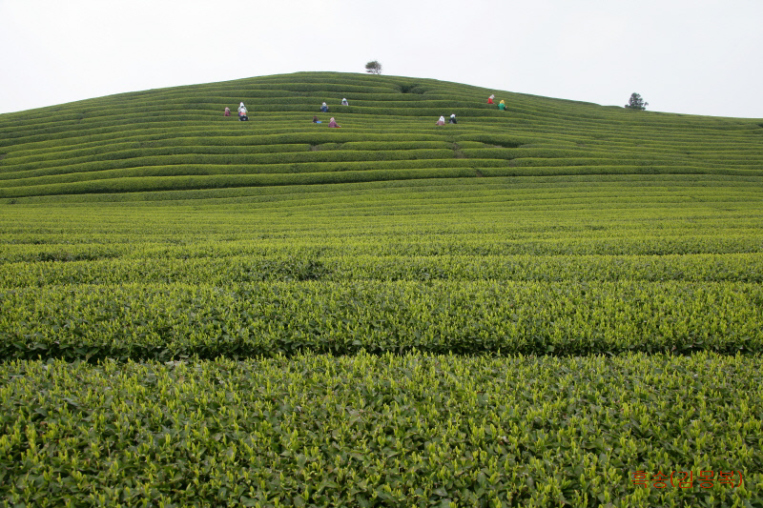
[533, 307]
[177, 139]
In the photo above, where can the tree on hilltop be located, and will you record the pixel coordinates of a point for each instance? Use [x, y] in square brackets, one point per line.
[636, 102]
[373, 67]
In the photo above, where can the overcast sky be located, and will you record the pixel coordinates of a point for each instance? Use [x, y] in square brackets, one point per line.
[701, 57]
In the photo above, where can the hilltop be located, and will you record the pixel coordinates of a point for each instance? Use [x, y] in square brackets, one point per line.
[177, 138]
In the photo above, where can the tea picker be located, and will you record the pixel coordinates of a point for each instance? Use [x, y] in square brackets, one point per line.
[242, 113]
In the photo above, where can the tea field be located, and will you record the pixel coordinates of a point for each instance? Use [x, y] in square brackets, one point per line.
[543, 306]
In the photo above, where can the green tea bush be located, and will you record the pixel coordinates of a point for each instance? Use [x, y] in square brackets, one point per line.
[32, 178]
[413, 430]
[213, 266]
[157, 183]
[174, 320]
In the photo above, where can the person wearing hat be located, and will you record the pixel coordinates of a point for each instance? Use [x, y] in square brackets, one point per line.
[324, 107]
[453, 118]
[332, 123]
[345, 103]
[242, 113]
[502, 105]
[441, 121]
[490, 99]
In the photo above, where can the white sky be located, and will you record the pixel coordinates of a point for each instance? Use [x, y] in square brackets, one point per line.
[701, 57]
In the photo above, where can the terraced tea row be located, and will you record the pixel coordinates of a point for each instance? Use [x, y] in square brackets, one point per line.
[171, 321]
[58, 267]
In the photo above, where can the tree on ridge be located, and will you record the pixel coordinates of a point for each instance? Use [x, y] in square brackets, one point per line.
[373, 67]
[636, 102]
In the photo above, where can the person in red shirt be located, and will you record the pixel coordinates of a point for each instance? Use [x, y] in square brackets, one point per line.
[490, 99]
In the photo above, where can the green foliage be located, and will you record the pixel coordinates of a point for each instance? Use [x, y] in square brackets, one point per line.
[181, 131]
[176, 320]
[525, 264]
[636, 102]
[373, 67]
[413, 430]
[622, 254]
